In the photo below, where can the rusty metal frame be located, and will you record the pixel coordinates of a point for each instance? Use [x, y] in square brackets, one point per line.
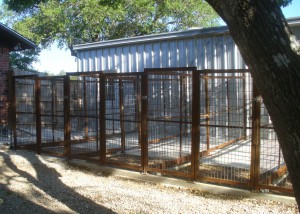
[143, 120]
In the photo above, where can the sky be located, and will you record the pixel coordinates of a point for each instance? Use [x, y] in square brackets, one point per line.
[54, 60]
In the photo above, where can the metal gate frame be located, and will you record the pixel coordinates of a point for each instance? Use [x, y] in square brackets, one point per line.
[140, 117]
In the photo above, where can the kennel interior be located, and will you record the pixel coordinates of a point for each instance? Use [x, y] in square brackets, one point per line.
[174, 121]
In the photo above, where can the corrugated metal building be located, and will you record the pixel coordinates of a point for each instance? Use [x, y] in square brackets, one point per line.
[209, 48]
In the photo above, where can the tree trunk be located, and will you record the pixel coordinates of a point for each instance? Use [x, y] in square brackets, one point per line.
[264, 40]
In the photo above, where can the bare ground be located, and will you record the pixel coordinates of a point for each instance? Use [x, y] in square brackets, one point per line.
[31, 183]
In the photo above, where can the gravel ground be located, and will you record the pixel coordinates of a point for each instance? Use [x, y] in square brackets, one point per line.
[30, 183]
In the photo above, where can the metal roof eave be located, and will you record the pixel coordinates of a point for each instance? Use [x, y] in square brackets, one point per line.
[16, 38]
[294, 21]
[193, 32]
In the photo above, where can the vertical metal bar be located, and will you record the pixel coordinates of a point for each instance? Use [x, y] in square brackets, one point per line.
[14, 113]
[10, 103]
[38, 114]
[180, 108]
[121, 109]
[111, 86]
[102, 119]
[255, 143]
[245, 106]
[144, 121]
[67, 119]
[207, 110]
[86, 129]
[195, 124]
[138, 107]
[162, 95]
[228, 108]
[52, 109]
[97, 113]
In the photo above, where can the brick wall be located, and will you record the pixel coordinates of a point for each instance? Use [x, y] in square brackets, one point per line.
[4, 68]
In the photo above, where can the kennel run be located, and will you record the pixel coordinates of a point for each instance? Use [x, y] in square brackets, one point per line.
[204, 125]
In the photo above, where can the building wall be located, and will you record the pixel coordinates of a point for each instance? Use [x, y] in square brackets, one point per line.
[205, 49]
[4, 68]
[204, 52]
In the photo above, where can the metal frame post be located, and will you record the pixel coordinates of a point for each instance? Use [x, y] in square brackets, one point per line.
[38, 114]
[102, 119]
[195, 123]
[144, 121]
[67, 122]
[255, 141]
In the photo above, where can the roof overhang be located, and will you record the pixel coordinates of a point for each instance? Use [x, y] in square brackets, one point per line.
[294, 21]
[13, 40]
[194, 32]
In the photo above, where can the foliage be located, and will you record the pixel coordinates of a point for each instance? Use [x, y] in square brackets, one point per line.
[72, 22]
[284, 3]
[22, 5]
[7, 17]
[23, 59]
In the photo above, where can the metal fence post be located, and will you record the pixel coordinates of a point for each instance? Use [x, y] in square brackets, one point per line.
[67, 123]
[195, 123]
[255, 141]
[38, 114]
[121, 109]
[13, 114]
[144, 121]
[102, 119]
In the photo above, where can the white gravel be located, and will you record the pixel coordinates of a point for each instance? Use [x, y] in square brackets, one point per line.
[31, 183]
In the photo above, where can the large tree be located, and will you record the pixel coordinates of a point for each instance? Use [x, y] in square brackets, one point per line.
[79, 21]
[270, 50]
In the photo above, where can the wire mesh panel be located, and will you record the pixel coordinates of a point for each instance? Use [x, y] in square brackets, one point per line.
[84, 116]
[273, 171]
[169, 121]
[52, 115]
[24, 112]
[123, 120]
[5, 131]
[225, 147]
[206, 125]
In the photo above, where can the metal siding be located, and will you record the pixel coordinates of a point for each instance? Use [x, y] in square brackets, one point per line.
[111, 54]
[229, 47]
[148, 55]
[164, 54]
[200, 47]
[118, 57]
[200, 53]
[173, 54]
[191, 56]
[181, 48]
[140, 58]
[218, 53]
[104, 60]
[208, 60]
[79, 61]
[132, 61]
[124, 60]
[86, 61]
[211, 52]
[296, 31]
[156, 55]
[92, 61]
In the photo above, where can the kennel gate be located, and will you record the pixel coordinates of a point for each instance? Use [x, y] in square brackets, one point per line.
[201, 125]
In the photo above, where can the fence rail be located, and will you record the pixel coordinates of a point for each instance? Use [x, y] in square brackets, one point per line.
[202, 125]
